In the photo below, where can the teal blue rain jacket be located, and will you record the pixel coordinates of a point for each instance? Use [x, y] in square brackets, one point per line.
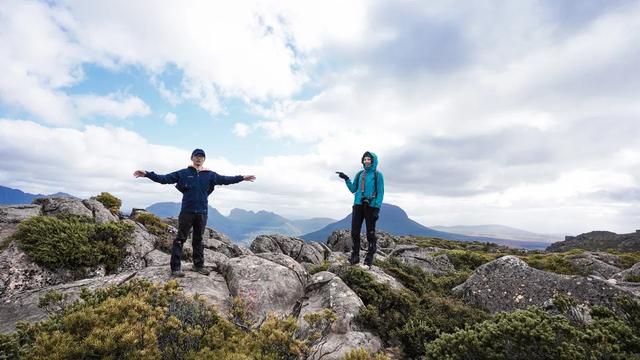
[368, 175]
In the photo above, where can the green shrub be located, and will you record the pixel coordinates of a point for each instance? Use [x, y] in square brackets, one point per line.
[73, 242]
[469, 260]
[110, 202]
[534, 334]
[152, 223]
[406, 318]
[554, 262]
[628, 259]
[140, 320]
[415, 279]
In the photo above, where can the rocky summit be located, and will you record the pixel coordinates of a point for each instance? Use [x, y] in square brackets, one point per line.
[420, 295]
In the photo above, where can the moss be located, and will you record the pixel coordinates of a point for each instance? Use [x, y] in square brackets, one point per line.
[73, 242]
[633, 278]
[109, 201]
[324, 266]
[4, 244]
[469, 260]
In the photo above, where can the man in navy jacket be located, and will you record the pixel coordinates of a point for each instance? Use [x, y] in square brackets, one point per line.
[196, 184]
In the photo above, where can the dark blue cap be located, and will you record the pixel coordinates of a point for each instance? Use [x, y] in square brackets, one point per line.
[198, 152]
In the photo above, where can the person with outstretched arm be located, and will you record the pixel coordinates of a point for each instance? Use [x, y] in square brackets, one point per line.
[195, 183]
[368, 187]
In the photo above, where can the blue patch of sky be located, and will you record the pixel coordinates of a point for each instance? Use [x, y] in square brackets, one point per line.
[195, 127]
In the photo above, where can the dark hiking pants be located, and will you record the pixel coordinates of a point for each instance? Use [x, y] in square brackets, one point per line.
[368, 214]
[185, 222]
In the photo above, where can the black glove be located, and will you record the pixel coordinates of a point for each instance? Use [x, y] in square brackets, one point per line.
[342, 175]
[376, 213]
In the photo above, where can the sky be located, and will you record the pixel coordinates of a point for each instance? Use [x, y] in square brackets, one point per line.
[521, 113]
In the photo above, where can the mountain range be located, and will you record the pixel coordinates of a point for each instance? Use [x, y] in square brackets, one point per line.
[394, 220]
[501, 232]
[9, 196]
[243, 225]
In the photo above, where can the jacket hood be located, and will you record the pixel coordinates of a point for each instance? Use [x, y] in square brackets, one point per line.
[374, 160]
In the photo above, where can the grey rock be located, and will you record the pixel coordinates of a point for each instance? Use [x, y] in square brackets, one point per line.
[264, 285]
[215, 259]
[18, 273]
[13, 214]
[596, 264]
[328, 291]
[142, 244]
[63, 206]
[337, 346]
[625, 274]
[157, 258]
[99, 213]
[341, 241]
[508, 284]
[383, 278]
[24, 306]
[337, 258]
[291, 246]
[580, 314]
[424, 258]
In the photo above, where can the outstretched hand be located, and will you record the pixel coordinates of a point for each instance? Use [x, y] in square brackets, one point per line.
[249, 178]
[140, 173]
[342, 175]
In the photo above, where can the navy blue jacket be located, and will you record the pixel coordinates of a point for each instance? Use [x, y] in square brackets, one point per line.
[195, 186]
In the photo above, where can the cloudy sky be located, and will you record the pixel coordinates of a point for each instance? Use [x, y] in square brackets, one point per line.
[521, 113]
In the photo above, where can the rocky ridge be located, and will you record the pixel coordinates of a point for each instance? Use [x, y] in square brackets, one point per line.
[272, 275]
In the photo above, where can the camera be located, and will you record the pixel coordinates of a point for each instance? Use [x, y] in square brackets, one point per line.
[366, 201]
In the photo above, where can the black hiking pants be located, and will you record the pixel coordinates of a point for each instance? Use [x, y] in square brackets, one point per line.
[370, 216]
[185, 222]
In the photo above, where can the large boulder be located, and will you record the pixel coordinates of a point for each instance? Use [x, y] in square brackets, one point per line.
[18, 273]
[99, 213]
[142, 243]
[341, 241]
[63, 206]
[508, 284]
[24, 306]
[327, 291]
[13, 214]
[10, 217]
[425, 258]
[264, 285]
[630, 273]
[291, 246]
[596, 264]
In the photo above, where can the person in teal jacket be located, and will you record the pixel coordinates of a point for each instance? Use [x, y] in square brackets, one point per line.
[368, 187]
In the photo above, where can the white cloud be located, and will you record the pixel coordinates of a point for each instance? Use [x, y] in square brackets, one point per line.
[485, 112]
[112, 105]
[253, 50]
[170, 118]
[241, 129]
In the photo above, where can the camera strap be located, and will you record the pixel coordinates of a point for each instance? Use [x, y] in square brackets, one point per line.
[362, 179]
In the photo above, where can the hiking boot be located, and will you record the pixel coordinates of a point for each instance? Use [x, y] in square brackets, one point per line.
[177, 273]
[353, 261]
[202, 271]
